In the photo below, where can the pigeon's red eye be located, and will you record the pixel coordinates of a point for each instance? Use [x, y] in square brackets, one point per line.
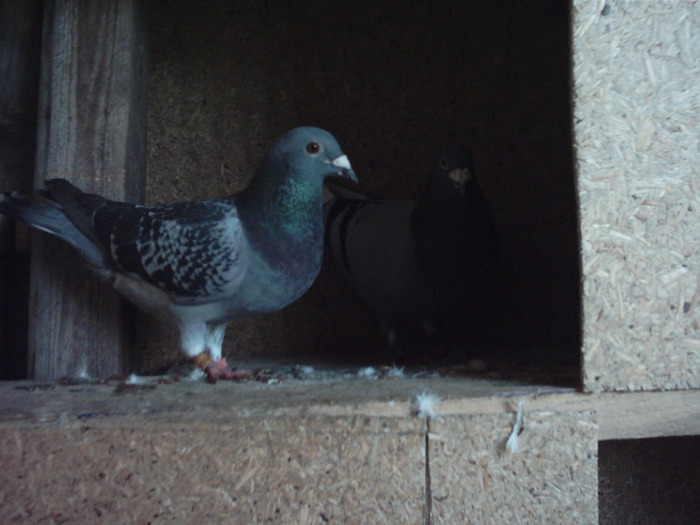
[313, 147]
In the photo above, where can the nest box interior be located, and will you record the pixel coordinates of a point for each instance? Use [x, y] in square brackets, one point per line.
[392, 81]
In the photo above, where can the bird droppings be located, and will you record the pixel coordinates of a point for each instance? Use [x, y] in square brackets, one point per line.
[36, 386]
[505, 365]
[83, 374]
[124, 388]
[279, 372]
[73, 381]
[303, 371]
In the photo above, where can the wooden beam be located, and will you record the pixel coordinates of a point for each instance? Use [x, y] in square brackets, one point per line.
[629, 415]
[635, 415]
[91, 131]
[20, 36]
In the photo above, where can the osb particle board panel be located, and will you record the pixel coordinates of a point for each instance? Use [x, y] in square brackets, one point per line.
[283, 470]
[315, 452]
[552, 478]
[636, 69]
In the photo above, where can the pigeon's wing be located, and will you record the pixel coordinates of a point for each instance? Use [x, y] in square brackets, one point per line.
[195, 251]
[372, 246]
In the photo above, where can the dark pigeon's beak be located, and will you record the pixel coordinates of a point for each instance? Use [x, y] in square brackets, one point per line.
[459, 178]
[342, 168]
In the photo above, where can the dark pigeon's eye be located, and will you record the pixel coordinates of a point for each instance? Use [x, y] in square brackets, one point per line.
[443, 163]
[313, 148]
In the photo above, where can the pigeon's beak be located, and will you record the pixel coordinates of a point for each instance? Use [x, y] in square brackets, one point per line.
[460, 178]
[342, 168]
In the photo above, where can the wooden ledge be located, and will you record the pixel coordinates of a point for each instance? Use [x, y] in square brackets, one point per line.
[620, 415]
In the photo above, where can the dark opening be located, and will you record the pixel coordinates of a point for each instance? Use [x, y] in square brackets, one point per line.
[392, 81]
[649, 481]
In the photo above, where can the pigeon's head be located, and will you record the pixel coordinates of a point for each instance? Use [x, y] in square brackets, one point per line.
[313, 154]
[456, 164]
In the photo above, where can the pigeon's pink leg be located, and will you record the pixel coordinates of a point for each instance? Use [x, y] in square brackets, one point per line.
[219, 369]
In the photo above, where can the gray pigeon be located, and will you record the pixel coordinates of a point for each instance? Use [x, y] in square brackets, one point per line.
[431, 262]
[201, 264]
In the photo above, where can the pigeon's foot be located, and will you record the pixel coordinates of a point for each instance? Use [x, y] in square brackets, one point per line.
[215, 370]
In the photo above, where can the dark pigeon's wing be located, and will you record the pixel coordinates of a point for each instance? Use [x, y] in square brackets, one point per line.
[371, 244]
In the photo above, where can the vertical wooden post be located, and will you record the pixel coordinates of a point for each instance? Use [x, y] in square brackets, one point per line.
[20, 37]
[91, 131]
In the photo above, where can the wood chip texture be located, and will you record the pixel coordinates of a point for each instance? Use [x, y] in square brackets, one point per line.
[350, 452]
[636, 72]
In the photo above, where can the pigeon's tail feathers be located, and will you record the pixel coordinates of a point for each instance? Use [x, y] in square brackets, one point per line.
[50, 218]
[42, 216]
[78, 206]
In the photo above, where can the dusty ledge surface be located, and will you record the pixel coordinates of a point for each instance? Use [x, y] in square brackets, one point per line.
[159, 399]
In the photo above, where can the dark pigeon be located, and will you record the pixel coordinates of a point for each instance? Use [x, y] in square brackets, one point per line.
[431, 263]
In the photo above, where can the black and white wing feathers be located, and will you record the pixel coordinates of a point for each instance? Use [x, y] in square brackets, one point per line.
[195, 251]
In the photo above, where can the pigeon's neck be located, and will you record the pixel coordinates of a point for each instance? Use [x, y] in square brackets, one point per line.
[283, 222]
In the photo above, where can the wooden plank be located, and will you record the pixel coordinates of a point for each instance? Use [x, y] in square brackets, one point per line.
[91, 130]
[636, 415]
[20, 35]
[619, 415]
[350, 449]
[191, 402]
[628, 415]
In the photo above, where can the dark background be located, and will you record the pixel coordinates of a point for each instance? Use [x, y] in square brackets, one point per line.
[392, 81]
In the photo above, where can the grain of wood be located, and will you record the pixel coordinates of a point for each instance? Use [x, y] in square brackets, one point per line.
[92, 132]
